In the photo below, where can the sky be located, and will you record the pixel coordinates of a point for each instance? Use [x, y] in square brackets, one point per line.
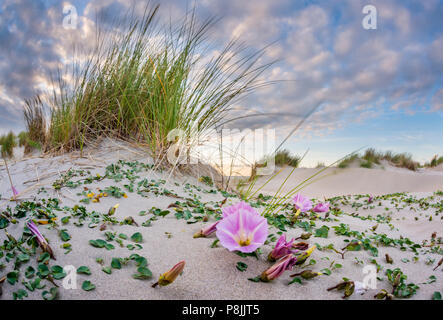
[379, 88]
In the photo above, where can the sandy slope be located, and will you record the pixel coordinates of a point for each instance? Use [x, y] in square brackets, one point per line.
[211, 273]
[335, 181]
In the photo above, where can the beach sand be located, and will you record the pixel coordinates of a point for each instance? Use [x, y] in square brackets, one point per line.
[211, 273]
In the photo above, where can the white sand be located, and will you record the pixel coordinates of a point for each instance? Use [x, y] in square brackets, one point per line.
[334, 181]
[211, 273]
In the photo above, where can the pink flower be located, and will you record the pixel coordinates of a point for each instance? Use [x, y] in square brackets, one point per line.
[322, 207]
[207, 230]
[241, 206]
[370, 199]
[302, 203]
[14, 191]
[242, 228]
[285, 263]
[40, 239]
[281, 249]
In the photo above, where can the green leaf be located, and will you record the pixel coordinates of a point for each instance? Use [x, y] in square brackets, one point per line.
[3, 222]
[436, 296]
[296, 279]
[99, 243]
[109, 246]
[23, 257]
[64, 235]
[241, 266]
[326, 271]
[256, 279]
[107, 270]
[19, 294]
[115, 263]
[37, 285]
[57, 272]
[12, 277]
[139, 260]
[84, 270]
[65, 220]
[88, 286]
[51, 294]
[29, 272]
[28, 285]
[44, 257]
[43, 270]
[137, 237]
[143, 273]
[322, 232]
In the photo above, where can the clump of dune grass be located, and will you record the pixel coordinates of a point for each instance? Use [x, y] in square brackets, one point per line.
[144, 79]
[347, 161]
[281, 158]
[320, 165]
[371, 157]
[435, 161]
[284, 158]
[35, 135]
[7, 143]
[366, 164]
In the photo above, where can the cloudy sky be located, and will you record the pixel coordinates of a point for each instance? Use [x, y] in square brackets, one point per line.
[377, 88]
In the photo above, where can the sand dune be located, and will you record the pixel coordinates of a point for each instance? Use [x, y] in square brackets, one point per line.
[211, 273]
[335, 181]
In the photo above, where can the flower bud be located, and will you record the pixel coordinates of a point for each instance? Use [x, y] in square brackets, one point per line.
[207, 230]
[285, 263]
[281, 249]
[169, 277]
[112, 210]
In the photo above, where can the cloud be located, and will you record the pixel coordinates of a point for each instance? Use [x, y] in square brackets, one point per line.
[437, 100]
[326, 57]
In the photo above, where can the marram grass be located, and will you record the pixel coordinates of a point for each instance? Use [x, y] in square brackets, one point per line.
[145, 79]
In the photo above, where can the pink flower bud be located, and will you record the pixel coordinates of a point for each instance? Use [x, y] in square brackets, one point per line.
[281, 249]
[285, 263]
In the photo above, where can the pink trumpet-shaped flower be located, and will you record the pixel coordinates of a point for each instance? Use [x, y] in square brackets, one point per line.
[14, 191]
[285, 263]
[207, 230]
[242, 229]
[322, 207]
[241, 206]
[302, 203]
[370, 199]
[40, 239]
[281, 249]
